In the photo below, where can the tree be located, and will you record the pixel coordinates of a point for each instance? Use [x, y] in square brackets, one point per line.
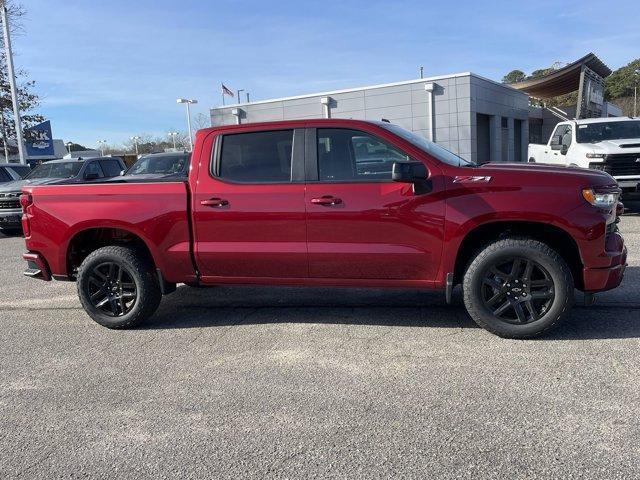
[27, 99]
[201, 121]
[541, 72]
[514, 76]
[621, 82]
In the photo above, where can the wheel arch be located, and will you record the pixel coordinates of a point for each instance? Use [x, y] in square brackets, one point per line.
[480, 236]
[85, 241]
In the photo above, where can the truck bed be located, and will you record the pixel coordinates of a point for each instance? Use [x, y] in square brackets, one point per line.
[155, 212]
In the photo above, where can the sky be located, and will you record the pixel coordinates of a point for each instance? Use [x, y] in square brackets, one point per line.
[113, 69]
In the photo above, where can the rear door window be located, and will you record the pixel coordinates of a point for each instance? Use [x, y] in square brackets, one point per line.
[111, 168]
[94, 168]
[256, 157]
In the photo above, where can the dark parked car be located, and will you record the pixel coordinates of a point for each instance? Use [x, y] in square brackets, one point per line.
[10, 172]
[156, 166]
[55, 171]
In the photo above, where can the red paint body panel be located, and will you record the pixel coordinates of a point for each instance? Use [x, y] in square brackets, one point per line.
[381, 234]
[155, 212]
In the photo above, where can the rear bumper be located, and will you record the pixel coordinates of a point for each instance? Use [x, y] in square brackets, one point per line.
[601, 279]
[36, 266]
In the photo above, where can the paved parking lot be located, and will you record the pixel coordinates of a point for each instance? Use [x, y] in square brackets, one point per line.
[289, 382]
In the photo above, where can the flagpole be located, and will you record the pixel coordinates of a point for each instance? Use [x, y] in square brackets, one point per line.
[222, 90]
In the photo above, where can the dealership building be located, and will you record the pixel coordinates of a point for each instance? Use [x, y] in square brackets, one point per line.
[475, 117]
[467, 114]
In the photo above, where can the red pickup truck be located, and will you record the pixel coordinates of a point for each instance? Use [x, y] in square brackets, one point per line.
[334, 203]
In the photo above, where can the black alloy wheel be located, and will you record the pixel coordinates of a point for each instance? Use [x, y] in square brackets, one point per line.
[518, 290]
[111, 289]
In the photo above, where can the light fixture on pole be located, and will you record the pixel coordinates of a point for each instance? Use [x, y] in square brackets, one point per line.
[101, 143]
[135, 139]
[12, 83]
[188, 103]
[173, 135]
[69, 145]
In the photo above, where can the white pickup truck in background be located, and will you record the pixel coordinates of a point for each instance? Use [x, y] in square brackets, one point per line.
[608, 144]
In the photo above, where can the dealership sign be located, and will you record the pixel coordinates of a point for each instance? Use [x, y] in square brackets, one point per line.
[39, 140]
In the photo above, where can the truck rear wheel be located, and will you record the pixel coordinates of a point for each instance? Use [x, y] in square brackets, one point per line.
[518, 288]
[118, 287]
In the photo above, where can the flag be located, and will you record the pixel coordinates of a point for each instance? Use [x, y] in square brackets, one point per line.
[226, 91]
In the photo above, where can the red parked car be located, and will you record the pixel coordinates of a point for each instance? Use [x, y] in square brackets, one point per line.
[334, 203]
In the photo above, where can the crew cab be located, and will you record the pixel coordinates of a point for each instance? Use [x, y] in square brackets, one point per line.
[332, 203]
[611, 145]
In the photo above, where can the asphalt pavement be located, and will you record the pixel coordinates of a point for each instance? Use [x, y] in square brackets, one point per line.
[233, 382]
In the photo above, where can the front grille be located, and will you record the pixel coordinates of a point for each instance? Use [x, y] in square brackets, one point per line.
[622, 164]
[7, 204]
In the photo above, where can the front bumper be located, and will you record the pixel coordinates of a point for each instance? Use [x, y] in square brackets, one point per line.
[11, 218]
[37, 266]
[606, 278]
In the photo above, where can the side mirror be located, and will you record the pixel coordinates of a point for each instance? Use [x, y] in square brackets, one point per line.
[91, 176]
[555, 142]
[564, 149]
[415, 173]
[409, 172]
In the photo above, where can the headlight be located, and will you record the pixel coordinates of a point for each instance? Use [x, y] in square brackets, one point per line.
[596, 155]
[602, 200]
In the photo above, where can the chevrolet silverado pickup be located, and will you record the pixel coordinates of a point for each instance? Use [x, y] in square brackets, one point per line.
[334, 203]
[611, 145]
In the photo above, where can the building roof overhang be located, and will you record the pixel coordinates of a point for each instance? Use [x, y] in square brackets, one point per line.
[564, 80]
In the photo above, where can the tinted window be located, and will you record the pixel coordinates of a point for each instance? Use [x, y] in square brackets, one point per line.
[427, 146]
[160, 165]
[4, 176]
[257, 157]
[94, 168]
[111, 168]
[597, 132]
[56, 170]
[20, 171]
[351, 155]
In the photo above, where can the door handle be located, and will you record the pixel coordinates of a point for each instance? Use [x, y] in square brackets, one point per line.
[215, 202]
[326, 200]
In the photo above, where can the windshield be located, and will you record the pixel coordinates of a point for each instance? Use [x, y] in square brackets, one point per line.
[598, 132]
[163, 165]
[429, 147]
[19, 171]
[56, 170]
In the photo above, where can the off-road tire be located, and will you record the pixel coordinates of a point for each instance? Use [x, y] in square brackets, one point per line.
[528, 249]
[140, 269]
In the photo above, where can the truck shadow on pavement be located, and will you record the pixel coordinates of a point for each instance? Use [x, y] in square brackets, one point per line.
[615, 315]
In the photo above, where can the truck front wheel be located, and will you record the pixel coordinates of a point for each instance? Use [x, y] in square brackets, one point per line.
[117, 286]
[518, 288]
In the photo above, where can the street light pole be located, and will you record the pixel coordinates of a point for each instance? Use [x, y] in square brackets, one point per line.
[68, 145]
[12, 82]
[173, 137]
[101, 143]
[238, 93]
[635, 92]
[188, 102]
[135, 143]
